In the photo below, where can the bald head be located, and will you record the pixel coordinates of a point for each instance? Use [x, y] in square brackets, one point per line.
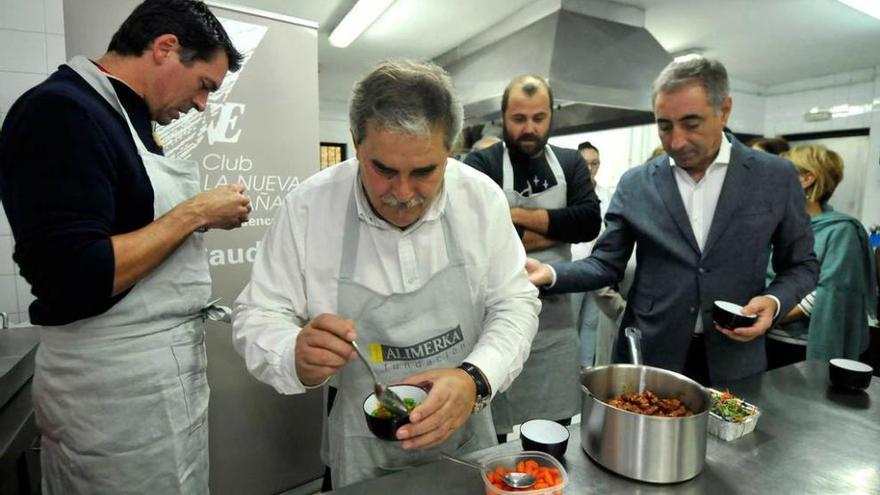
[529, 84]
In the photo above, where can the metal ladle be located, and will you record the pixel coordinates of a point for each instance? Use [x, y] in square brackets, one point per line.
[512, 479]
[384, 395]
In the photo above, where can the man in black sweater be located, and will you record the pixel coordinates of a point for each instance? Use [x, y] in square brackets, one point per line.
[552, 205]
[106, 231]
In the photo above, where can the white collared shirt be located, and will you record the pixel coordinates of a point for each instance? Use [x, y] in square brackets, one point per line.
[701, 198]
[295, 273]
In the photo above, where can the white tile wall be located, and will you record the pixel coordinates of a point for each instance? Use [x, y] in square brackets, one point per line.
[55, 52]
[31, 47]
[54, 16]
[8, 294]
[23, 15]
[7, 267]
[785, 112]
[4, 223]
[748, 113]
[22, 51]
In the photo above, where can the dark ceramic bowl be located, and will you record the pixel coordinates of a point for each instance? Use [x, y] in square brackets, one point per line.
[386, 428]
[728, 315]
[545, 436]
[849, 374]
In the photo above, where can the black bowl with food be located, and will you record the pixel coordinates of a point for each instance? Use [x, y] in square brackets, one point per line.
[382, 422]
[849, 374]
[729, 315]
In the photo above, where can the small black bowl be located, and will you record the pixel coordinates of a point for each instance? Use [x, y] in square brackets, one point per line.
[386, 428]
[728, 315]
[545, 436]
[849, 374]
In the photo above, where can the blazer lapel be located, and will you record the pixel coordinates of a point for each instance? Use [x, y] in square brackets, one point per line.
[732, 193]
[668, 189]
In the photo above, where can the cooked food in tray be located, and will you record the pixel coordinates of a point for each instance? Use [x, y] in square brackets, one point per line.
[649, 404]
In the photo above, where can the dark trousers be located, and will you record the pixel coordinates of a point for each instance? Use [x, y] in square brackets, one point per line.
[326, 484]
[696, 366]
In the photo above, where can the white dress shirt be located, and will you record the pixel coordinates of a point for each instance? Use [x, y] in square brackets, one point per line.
[295, 273]
[701, 198]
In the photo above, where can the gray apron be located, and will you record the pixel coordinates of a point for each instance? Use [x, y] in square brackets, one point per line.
[548, 386]
[435, 326]
[122, 398]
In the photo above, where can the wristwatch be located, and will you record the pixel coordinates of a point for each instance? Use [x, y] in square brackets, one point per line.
[484, 392]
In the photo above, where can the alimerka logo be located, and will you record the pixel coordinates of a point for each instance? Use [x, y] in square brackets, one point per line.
[435, 345]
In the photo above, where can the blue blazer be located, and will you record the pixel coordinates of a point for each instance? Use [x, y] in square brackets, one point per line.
[761, 210]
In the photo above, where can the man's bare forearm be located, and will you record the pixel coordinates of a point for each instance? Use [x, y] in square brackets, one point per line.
[537, 220]
[534, 241]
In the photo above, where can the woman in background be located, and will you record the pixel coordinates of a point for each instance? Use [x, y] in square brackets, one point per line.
[775, 145]
[831, 321]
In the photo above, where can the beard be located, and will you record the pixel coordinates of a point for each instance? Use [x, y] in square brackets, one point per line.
[530, 145]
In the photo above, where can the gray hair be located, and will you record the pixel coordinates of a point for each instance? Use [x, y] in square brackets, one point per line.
[709, 73]
[406, 96]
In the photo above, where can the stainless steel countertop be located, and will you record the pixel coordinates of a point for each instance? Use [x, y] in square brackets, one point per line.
[17, 349]
[810, 438]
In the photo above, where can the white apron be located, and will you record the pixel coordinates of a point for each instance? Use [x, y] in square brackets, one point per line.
[548, 386]
[122, 398]
[435, 326]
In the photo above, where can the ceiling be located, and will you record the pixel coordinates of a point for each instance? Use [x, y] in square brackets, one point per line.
[761, 42]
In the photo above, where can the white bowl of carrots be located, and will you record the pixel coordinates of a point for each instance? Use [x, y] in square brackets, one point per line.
[550, 476]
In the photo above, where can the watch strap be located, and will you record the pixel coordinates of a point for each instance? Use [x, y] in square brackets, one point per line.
[484, 391]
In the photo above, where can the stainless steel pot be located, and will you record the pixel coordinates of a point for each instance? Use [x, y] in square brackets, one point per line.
[646, 448]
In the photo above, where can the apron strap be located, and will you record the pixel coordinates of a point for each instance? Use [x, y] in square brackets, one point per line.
[350, 236]
[100, 82]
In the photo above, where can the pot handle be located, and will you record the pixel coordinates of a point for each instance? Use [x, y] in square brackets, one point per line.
[634, 337]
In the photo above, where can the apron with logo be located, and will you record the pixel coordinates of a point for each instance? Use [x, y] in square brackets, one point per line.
[435, 326]
[548, 386]
[122, 398]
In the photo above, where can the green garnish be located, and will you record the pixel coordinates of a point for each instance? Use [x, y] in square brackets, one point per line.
[730, 408]
[381, 412]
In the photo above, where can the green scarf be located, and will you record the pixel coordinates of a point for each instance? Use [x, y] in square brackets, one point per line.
[846, 291]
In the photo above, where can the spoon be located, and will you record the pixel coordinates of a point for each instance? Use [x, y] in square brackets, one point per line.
[512, 479]
[385, 395]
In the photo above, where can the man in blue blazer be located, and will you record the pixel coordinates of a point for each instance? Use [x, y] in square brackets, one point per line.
[704, 219]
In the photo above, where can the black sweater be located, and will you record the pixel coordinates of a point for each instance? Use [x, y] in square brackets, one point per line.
[581, 219]
[70, 178]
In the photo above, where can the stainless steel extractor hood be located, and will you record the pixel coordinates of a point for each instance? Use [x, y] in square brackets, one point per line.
[600, 70]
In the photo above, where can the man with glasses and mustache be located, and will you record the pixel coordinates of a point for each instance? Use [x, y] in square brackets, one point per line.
[552, 205]
[400, 249]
